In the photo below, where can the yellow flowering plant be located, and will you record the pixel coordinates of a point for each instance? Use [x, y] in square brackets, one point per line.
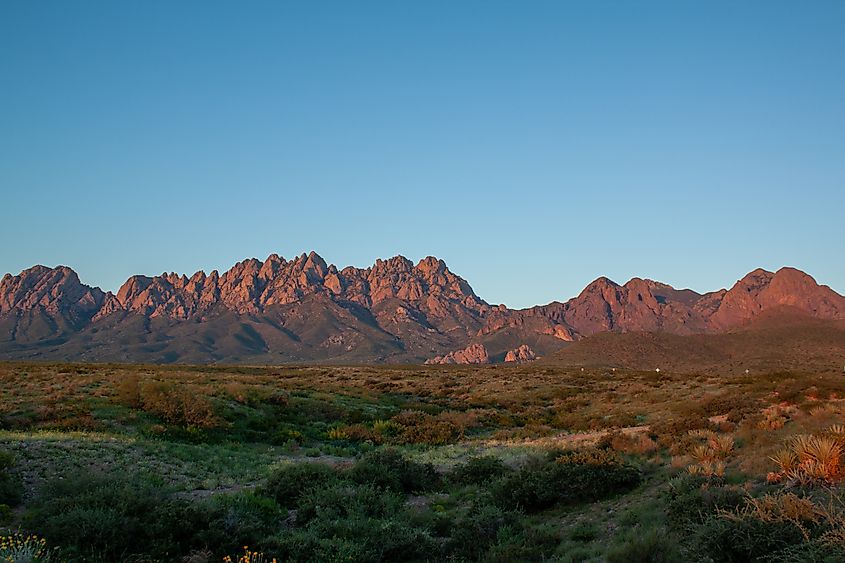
[20, 548]
[248, 557]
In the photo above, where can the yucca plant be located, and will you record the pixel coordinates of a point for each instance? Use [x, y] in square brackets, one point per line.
[827, 453]
[722, 446]
[800, 444]
[385, 427]
[710, 456]
[702, 454]
[785, 459]
[702, 433]
[337, 433]
[837, 432]
[809, 459]
[837, 429]
[696, 469]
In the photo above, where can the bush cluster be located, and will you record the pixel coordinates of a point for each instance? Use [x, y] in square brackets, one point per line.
[389, 469]
[95, 517]
[479, 471]
[287, 483]
[723, 523]
[11, 488]
[356, 513]
[171, 403]
[417, 427]
[569, 478]
[338, 521]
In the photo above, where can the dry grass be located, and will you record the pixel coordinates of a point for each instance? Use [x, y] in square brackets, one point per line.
[742, 420]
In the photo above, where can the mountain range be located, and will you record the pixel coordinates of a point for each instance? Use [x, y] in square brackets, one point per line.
[305, 310]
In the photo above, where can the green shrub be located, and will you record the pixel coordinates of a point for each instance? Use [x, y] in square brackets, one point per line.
[233, 521]
[478, 471]
[343, 521]
[692, 499]
[287, 483]
[6, 515]
[389, 469]
[815, 550]
[744, 539]
[530, 489]
[782, 526]
[583, 532]
[644, 546]
[524, 543]
[572, 478]
[11, 488]
[472, 535]
[97, 517]
[130, 517]
[341, 500]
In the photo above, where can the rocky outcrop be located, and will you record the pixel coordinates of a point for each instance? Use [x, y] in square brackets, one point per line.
[472, 354]
[521, 355]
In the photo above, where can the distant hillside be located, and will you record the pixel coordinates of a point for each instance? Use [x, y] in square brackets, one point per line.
[784, 338]
[306, 310]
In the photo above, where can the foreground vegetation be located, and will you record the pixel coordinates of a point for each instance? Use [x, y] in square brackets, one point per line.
[143, 463]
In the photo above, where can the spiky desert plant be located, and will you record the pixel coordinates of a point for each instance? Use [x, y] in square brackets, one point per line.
[696, 469]
[809, 459]
[785, 459]
[702, 433]
[801, 445]
[826, 455]
[837, 429]
[710, 456]
[385, 427]
[722, 445]
[337, 433]
[837, 432]
[701, 453]
[821, 410]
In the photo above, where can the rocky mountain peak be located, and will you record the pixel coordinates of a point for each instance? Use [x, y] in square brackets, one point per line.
[56, 292]
[251, 286]
[430, 266]
[600, 285]
[760, 290]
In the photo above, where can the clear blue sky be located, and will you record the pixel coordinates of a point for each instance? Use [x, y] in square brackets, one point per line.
[532, 145]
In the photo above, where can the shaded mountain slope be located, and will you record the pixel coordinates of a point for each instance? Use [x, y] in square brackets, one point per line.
[782, 338]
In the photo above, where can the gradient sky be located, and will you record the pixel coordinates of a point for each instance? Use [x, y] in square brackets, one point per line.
[532, 145]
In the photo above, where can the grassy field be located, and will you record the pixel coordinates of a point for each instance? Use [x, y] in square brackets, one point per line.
[439, 463]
